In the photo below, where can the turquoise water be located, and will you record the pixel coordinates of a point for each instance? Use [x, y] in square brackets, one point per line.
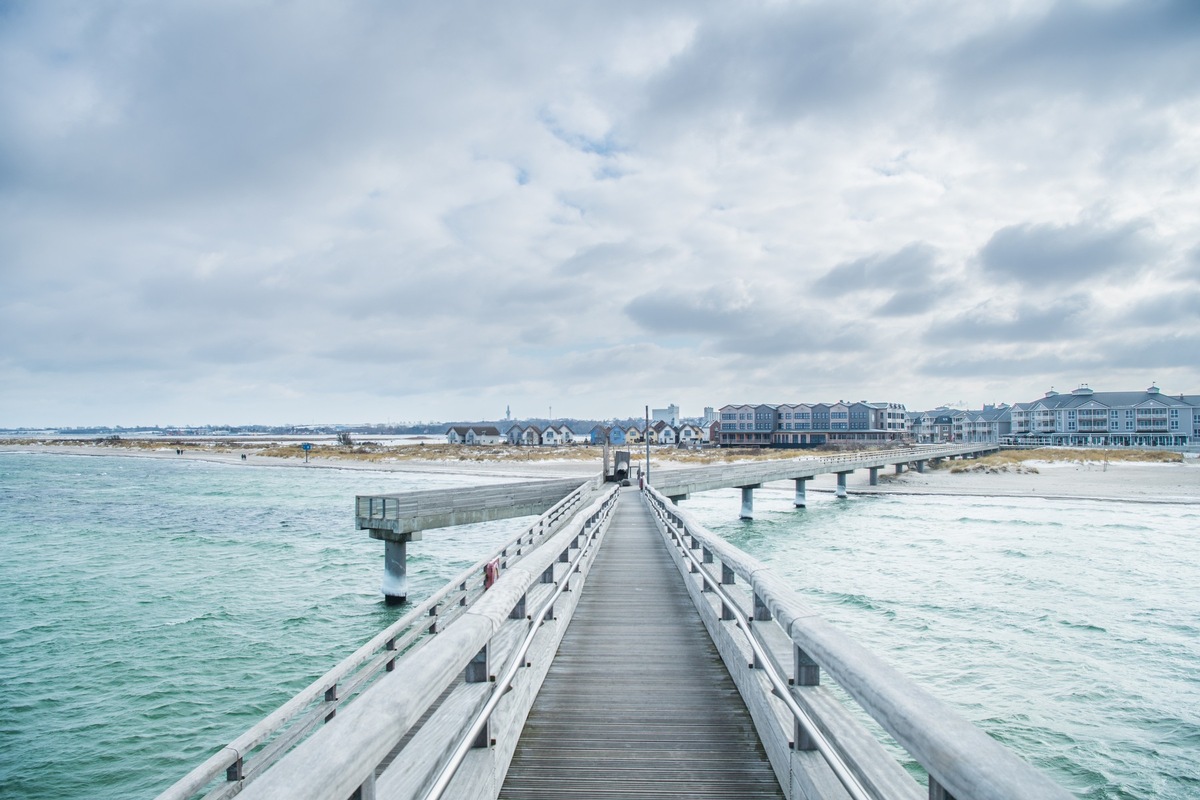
[152, 610]
[1068, 629]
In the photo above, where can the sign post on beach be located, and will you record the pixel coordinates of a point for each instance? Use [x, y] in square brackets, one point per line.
[306, 447]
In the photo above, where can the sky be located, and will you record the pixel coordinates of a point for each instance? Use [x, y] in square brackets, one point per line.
[220, 212]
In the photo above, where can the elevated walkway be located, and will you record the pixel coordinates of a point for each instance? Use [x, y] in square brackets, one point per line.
[637, 702]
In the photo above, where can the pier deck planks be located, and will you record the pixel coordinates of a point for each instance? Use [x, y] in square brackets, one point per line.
[637, 702]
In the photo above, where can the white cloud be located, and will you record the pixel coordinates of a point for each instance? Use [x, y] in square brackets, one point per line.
[251, 212]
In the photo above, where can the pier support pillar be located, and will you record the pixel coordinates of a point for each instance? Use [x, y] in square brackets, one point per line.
[874, 476]
[395, 571]
[899, 468]
[675, 498]
[748, 501]
[801, 485]
[920, 466]
[841, 484]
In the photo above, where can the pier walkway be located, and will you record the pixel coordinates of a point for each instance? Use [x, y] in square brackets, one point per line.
[637, 702]
[614, 647]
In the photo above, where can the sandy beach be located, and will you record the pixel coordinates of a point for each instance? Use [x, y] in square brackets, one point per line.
[1116, 480]
[1128, 481]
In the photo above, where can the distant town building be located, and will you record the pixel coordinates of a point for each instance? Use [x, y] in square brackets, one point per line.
[473, 434]
[525, 435]
[1085, 417]
[810, 424]
[955, 425]
[669, 415]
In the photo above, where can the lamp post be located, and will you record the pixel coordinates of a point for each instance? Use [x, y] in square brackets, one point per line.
[647, 445]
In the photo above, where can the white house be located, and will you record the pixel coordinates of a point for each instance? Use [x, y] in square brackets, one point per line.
[664, 433]
[473, 434]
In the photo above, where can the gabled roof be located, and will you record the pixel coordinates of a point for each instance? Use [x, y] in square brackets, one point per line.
[480, 430]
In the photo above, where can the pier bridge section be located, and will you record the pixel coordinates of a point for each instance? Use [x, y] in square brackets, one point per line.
[619, 649]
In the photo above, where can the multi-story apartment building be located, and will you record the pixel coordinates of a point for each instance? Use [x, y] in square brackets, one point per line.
[748, 425]
[809, 424]
[1085, 417]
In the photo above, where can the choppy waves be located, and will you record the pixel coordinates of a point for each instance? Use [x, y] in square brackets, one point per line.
[1068, 629]
[155, 610]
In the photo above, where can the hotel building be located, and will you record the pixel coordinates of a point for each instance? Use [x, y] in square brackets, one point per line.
[811, 424]
[1084, 417]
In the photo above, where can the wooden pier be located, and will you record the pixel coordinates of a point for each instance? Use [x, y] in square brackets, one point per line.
[615, 648]
[638, 703]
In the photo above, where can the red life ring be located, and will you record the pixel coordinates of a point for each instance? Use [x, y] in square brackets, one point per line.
[491, 573]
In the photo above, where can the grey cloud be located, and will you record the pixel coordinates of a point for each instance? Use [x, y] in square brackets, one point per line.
[909, 303]
[1029, 323]
[911, 267]
[734, 325]
[1039, 254]
[1145, 50]
[1168, 351]
[985, 366]
[600, 260]
[797, 338]
[783, 62]
[670, 311]
[1181, 307]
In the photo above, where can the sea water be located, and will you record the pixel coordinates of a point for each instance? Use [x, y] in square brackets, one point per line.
[151, 610]
[1069, 630]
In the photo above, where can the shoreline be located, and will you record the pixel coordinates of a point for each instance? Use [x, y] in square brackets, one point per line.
[1118, 481]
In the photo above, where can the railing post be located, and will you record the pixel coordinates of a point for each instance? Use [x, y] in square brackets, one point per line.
[479, 670]
[936, 792]
[367, 790]
[807, 673]
[331, 696]
[761, 614]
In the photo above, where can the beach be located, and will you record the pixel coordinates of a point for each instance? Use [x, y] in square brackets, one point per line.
[1129, 481]
[1177, 482]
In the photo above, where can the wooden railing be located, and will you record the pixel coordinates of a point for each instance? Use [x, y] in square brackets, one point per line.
[754, 472]
[232, 768]
[777, 649]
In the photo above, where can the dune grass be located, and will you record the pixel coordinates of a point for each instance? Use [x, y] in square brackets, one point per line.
[1019, 460]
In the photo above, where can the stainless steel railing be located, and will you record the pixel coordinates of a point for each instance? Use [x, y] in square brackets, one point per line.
[230, 769]
[961, 760]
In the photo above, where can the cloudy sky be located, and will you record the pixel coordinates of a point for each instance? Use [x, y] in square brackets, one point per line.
[236, 212]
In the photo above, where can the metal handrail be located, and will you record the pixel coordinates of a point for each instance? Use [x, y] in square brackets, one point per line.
[450, 769]
[960, 757]
[229, 759]
[343, 757]
[843, 773]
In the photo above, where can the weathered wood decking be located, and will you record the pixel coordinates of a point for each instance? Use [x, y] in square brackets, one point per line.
[637, 702]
